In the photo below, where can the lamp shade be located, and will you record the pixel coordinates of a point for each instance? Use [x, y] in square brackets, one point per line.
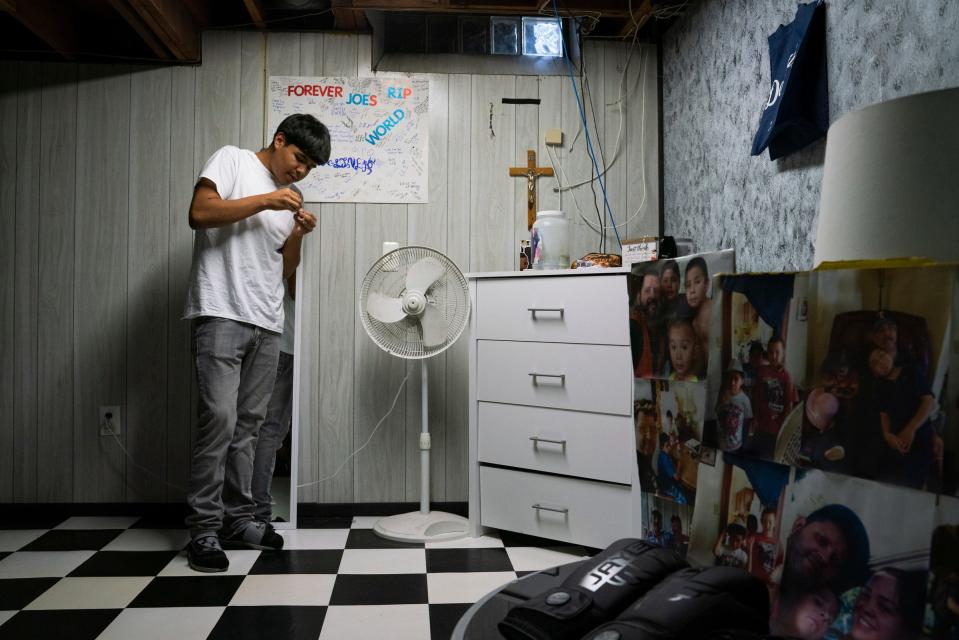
[890, 186]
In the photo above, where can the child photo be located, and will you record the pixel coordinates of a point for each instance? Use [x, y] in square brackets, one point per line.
[848, 572]
[668, 419]
[670, 315]
[736, 522]
[763, 362]
[860, 387]
[666, 523]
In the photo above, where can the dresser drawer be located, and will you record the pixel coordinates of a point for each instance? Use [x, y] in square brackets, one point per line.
[581, 511]
[582, 377]
[585, 309]
[574, 443]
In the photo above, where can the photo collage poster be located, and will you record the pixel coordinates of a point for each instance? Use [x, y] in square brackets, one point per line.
[836, 422]
[672, 312]
[843, 370]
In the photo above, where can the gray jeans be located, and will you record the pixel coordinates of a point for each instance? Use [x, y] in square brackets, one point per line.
[235, 366]
[272, 432]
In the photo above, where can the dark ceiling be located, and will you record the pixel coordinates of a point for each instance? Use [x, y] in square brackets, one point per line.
[168, 31]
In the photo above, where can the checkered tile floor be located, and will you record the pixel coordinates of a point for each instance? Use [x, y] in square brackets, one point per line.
[122, 578]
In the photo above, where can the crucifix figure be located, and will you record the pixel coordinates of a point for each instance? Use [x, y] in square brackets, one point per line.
[530, 172]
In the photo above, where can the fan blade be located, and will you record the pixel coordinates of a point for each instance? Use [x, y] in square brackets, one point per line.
[423, 274]
[383, 308]
[434, 327]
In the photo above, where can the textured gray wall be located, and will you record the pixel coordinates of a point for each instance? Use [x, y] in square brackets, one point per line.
[715, 81]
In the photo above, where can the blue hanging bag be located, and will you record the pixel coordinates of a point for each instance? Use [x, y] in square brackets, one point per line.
[796, 111]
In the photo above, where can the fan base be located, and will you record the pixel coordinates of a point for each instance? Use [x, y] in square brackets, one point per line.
[434, 526]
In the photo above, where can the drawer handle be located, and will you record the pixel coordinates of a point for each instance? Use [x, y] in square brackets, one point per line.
[536, 440]
[533, 310]
[540, 507]
[561, 376]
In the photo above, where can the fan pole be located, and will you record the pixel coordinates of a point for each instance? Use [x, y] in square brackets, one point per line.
[424, 441]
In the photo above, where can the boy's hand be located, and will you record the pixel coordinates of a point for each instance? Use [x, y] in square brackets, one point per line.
[284, 198]
[894, 443]
[303, 222]
[906, 438]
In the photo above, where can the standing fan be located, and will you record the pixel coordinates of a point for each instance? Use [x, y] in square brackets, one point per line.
[414, 304]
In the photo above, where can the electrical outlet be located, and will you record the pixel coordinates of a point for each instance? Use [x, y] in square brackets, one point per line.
[392, 264]
[109, 420]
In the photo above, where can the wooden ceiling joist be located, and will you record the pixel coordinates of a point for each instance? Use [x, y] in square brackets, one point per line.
[348, 18]
[608, 8]
[145, 33]
[171, 23]
[49, 20]
[255, 10]
[641, 15]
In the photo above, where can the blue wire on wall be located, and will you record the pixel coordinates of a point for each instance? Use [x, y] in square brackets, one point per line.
[589, 142]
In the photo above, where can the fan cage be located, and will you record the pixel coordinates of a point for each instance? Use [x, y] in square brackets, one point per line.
[449, 294]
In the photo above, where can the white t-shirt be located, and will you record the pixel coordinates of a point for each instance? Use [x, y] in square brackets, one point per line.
[237, 270]
[731, 417]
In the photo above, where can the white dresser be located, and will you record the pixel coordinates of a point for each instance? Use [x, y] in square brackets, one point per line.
[552, 451]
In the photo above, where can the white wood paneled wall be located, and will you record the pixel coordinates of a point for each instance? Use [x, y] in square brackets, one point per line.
[97, 164]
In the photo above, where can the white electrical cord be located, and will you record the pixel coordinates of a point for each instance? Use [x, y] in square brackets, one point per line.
[333, 475]
[141, 467]
[299, 486]
[569, 187]
[673, 11]
[556, 165]
[619, 134]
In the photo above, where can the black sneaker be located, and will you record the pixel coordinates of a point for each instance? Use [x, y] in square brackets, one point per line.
[205, 554]
[256, 535]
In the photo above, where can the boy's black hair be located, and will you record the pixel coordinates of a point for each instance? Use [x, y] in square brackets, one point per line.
[752, 523]
[700, 262]
[768, 509]
[776, 338]
[669, 413]
[656, 512]
[307, 133]
[676, 518]
[733, 529]
[663, 438]
[755, 346]
[669, 265]
[680, 322]
[854, 533]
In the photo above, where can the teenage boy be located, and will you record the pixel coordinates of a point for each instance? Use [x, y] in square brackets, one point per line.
[249, 225]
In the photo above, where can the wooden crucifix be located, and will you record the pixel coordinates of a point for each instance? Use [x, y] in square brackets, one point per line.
[530, 172]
